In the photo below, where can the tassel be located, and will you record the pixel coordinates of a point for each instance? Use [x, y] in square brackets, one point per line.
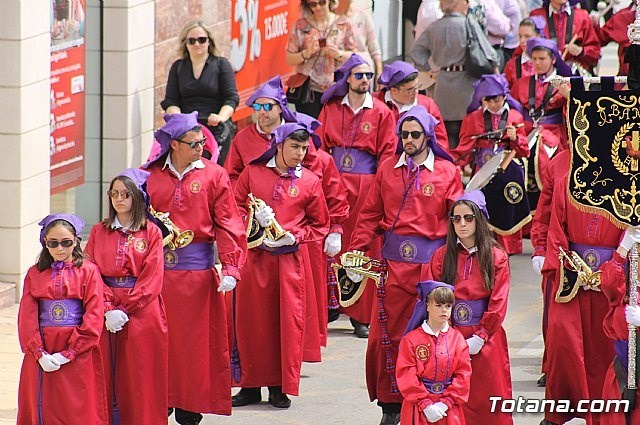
[390, 364]
[236, 368]
[332, 285]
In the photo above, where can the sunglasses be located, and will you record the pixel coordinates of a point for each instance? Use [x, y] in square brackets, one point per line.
[359, 75]
[458, 218]
[266, 106]
[414, 134]
[114, 194]
[193, 40]
[66, 243]
[193, 144]
[313, 4]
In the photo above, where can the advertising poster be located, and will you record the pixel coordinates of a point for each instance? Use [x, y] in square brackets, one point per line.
[259, 36]
[66, 142]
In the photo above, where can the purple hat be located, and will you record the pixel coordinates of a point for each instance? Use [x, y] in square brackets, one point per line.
[139, 178]
[420, 310]
[312, 125]
[176, 125]
[341, 88]
[395, 72]
[477, 197]
[491, 85]
[562, 68]
[428, 123]
[540, 23]
[72, 219]
[272, 89]
[281, 133]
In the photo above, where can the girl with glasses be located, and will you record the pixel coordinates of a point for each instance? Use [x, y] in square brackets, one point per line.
[128, 251]
[478, 269]
[59, 327]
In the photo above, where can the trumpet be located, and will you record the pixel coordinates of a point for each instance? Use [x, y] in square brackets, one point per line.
[586, 277]
[173, 236]
[273, 231]
[349, 292]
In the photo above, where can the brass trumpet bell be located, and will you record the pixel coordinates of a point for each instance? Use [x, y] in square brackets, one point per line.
[577, 274]
[349, 292]
[255, 233]
[172, 236]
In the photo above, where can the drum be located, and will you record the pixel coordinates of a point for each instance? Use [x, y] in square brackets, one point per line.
[485, 174]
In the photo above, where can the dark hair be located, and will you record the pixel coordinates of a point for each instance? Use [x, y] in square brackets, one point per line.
[409, 78]
[493, 97]
[196, 129]
[300, 135]
[45, 259]
[484, 244]
[183, 51]
[333, 4]
[528, 22]
[441, 295]
[543, 49]
[138, 206]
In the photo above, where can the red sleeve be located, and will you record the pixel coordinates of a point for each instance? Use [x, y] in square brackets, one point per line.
[458, 391]
[615, 323]
[317, 217]
[387, 140]
[28, 324]
[521, 144]
[335, 194]
[493, 318]
[320, 131]
[233, 164]
[614, 280]
[89, 250]
[556, 235]
[541, 218]
[587, 38]
[371, 214]
[510, 71]
[409, 385]
[462, 152]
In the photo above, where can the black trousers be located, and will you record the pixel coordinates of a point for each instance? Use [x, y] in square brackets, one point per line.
[312, 108]
[184, 417]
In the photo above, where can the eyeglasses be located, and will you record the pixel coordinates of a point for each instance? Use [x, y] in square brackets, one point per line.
[66, 243]
[313, 4]
[266, 106]
[193, 40]
[414, 134]
[115, 194]
[467, 218]
[411, 90]
[193, 144]
[359, 75]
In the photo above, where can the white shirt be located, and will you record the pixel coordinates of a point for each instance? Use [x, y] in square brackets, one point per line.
[368, 102]
[272, 164]
[471, 250]
[524, 58]
[401, 108]
[553, 74]
[553, 10]
[428, 162]
[117, 225]
[505, 107]
[428, 330]
[193, 165]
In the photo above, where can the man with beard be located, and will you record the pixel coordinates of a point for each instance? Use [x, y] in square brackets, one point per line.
[409, 200]
[358, 132]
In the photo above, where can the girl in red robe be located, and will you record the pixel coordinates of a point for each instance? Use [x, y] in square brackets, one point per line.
[128, 251]
[520, 64]
[479, 270]
[59, 326]
[432, 395]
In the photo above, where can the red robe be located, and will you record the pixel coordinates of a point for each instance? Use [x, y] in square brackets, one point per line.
[247, 145]
[373, 131]
[431, 107]
[414, 364]
[578, 351]
[614, 286]
[425, 213]
[142, 344]
[615, 29]
[199, 378]
[271, 299]
[74, 394]
[582, 27]
[491, 375]
[510, 69]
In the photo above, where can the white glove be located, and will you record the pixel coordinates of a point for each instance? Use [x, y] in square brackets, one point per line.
[287, 239]
[48, 363]
[632, 314]
[443, 407]
[60, 358]
[475, 344]
[115, 320]
[537, 262]
[351, 274]
[264, 216]
[434, 413]
[631, 236]
[227, 284]
[333, 244]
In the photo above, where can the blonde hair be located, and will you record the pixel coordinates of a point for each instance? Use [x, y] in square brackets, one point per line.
[183, 51]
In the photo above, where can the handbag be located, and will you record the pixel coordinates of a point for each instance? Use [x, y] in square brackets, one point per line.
[481, 56]
[297, 88]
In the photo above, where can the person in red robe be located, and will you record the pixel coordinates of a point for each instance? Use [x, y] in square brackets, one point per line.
[520, 64]
[495, 117]
[578, 351]
[481, 277]
[409, 202]
[433, 396]
[59, 326]
[272, 295]
[127, 248]
[400, 93]
[196, 193]
[358, 132]
[615, 30]
[270, 105]
[572, 30]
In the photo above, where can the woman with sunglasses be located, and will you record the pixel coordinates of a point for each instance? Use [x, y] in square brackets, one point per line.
[478, 268]
[59, 327]
[203, 81]
[128, 251]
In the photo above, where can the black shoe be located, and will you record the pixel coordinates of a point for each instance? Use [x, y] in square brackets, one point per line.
[334, 315]
[542, 381]
[246, 396]
[360, 329]
[390, 419]
[278, 399]
[546, 422]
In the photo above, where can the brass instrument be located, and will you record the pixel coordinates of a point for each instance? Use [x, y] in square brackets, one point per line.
[273, 231]
[356, 261]
[586, 277]
[173, 237]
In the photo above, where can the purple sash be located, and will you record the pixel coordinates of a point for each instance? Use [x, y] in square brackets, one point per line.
[285, 249]
[435, 387]
[621, 349]
[195, 256]
[354, 161]
[594, 256]
[67, 312]
[468, 312]
[120, 282]
[410, 249]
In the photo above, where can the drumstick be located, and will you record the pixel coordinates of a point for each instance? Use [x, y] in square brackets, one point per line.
[565, 51]
[478, 136]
